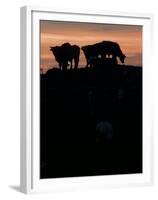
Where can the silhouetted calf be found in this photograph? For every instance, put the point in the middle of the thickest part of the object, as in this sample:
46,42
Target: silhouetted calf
66,53
104,49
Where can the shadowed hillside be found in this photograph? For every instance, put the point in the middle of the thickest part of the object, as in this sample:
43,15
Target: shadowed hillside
91,121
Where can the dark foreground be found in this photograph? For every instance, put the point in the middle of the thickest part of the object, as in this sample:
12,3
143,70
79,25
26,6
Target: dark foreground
91,122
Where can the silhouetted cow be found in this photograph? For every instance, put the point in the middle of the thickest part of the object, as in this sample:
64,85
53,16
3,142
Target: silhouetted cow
66,53
104,49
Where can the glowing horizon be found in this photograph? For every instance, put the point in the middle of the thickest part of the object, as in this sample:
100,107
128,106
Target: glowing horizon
53,33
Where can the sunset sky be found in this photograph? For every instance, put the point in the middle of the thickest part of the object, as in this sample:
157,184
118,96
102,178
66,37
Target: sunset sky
54,33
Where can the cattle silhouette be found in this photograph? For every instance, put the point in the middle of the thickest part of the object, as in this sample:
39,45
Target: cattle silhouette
105,50
66,53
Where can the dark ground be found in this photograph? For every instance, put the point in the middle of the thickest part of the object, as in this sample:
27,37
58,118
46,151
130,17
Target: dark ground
73,103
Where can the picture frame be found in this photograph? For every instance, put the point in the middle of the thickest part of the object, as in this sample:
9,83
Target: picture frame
30,181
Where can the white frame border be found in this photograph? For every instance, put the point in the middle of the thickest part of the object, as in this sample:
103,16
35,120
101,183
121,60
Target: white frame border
29,148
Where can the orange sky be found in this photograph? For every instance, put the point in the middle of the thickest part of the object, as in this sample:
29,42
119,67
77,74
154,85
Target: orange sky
56,33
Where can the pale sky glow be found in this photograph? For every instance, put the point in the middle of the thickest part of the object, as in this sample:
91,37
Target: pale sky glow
53,33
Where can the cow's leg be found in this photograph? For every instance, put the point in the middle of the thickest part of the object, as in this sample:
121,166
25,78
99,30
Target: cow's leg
76,63
103,56
70,64
60,66
65,65
114,58
87,61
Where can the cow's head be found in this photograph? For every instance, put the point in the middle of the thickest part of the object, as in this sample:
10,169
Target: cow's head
53,48
83,48
122,58
57,52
